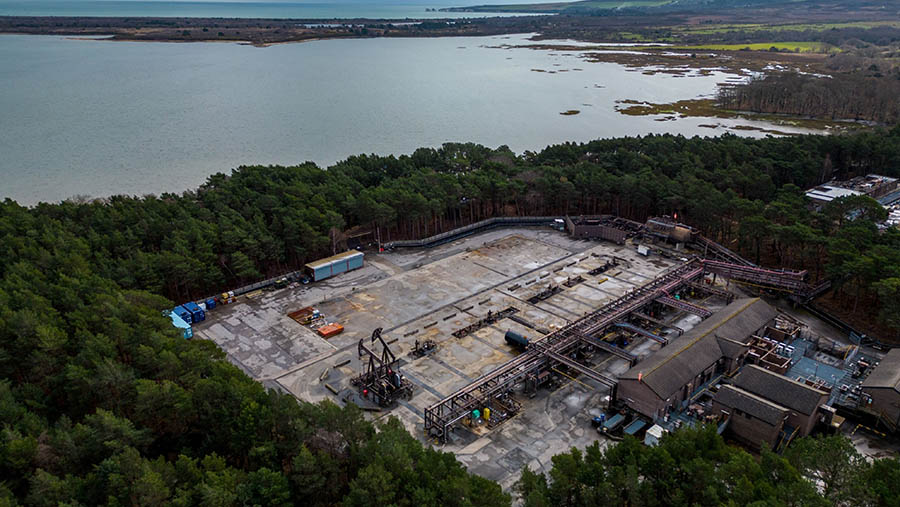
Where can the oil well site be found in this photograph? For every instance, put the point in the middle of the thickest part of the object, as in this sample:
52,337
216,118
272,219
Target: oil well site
513,340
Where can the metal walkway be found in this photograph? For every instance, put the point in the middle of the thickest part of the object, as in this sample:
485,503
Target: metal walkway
684,306
781,280
713,250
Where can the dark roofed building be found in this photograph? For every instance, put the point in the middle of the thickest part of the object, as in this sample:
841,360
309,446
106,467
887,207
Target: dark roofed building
732,349
668,377
753,419
800,401
883,386
783,390
760,408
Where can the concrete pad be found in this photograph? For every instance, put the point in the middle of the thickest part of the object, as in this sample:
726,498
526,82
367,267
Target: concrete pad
428,295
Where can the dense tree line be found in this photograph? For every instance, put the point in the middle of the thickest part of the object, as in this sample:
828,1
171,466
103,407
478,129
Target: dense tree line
264,221
694,466
839,37
102,402
859,80
843,96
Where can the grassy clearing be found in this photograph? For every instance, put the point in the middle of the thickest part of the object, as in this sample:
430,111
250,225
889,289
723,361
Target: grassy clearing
707,108
689,107
795,47
758,27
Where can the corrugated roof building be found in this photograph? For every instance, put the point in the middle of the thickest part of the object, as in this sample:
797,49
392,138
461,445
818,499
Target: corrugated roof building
785,391
751,404
800,401
883,386
754,420
334,265
717,345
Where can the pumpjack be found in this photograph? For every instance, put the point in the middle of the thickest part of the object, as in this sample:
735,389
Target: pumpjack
380,380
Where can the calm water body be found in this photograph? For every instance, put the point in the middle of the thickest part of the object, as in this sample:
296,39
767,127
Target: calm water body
390,9
83,117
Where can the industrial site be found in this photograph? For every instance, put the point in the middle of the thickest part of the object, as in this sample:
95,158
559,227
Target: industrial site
512,340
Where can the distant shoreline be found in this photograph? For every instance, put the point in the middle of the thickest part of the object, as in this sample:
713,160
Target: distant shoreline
260,32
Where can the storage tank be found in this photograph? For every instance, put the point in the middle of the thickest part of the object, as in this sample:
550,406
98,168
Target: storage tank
516,340
680,234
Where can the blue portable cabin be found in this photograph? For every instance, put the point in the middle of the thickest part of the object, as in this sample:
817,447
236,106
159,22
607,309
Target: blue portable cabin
197,313
210,303
180,323
334,265
184,314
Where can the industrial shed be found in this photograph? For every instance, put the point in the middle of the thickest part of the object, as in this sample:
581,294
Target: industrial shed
799,402
606,227
717,345
883,386
802,400
334,265
754,419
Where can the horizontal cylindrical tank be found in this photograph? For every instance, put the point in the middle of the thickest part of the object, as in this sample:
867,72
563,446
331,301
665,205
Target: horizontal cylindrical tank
516,340
680,234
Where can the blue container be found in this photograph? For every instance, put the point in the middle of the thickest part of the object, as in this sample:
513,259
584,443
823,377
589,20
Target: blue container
335,265
339,266
355,261
210,303
322,272
197,313
183,313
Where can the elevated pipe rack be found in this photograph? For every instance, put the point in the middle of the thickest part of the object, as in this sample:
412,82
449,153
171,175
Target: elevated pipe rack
552,349
610,348
543,353
709,289
643,332
658,322
782,280
684,306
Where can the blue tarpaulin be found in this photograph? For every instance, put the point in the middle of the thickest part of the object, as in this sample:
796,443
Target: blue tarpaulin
178,322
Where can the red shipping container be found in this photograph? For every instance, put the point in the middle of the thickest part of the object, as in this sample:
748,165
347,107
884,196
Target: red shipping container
329,330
